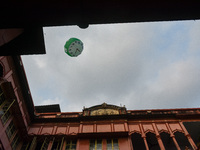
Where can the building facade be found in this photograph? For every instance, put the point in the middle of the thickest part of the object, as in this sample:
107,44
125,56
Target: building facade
24,126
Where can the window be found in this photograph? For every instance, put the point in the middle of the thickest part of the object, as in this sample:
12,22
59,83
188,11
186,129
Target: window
33,143
25,146
95,144
15,142
3,107
10,130
70,145
45,144
2,98
112,144
57,145
5,113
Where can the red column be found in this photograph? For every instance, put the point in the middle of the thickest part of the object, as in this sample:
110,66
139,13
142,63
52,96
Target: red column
175,142
83,144
145,142
67,131
50,144
104,144
54,130
80,128
126,126
162,147
188,136
95,128
130,142
172,136
112,127
144,136
64,145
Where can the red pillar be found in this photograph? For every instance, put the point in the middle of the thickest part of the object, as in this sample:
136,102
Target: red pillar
188,136
144,136
130,142
173,137
175,142
104,144
50,144
162,147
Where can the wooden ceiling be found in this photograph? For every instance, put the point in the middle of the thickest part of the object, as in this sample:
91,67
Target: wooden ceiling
33,15
82,12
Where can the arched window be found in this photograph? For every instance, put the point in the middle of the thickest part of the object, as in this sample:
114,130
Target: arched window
137,142
152,141
182,140
167,141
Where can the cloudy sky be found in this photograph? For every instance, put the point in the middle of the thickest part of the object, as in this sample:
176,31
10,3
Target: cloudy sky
139,65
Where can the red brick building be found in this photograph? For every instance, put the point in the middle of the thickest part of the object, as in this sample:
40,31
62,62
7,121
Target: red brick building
102,127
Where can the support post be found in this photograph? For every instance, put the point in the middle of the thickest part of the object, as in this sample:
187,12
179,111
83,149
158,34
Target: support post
50,144
173,137
162,147
144,136
130,142
188,136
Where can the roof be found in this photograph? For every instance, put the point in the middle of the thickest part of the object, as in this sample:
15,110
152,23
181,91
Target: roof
47,108
84,12
33,15
30,41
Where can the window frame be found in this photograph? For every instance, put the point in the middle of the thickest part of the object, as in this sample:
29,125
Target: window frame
5,116
11,130
70,144
15,142
95,144
112,144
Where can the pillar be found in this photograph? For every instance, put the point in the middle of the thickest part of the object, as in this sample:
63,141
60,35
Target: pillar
130,142
173,137
144,136
188,136
162,147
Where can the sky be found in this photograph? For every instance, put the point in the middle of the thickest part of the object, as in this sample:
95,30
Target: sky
154,65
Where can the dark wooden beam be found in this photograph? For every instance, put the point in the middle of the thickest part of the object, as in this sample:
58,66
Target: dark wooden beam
83,12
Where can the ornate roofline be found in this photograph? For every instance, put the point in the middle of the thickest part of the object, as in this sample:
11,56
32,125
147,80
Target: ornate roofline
103,106
104,109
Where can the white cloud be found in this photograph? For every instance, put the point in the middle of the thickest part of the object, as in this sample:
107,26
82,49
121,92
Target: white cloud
41,63
50,101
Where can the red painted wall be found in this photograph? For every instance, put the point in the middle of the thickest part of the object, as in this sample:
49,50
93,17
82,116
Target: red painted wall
83,144
124,144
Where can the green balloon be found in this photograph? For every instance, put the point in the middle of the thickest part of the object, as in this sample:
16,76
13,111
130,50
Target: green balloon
73,47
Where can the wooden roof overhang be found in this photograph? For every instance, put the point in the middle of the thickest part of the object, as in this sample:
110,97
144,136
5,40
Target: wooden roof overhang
32,15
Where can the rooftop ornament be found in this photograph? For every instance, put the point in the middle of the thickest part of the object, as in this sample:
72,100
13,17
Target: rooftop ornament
104,109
